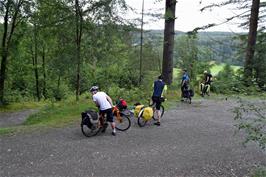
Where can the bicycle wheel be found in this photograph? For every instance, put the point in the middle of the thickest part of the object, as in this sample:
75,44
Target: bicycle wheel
161,111
205,88
141,121
122,123
189,100
89,130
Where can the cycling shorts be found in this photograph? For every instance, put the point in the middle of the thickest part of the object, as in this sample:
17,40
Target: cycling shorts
157,102
109,114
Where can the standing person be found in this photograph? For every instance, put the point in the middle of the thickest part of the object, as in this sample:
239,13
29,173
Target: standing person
205,87
184,83
105,105
158,88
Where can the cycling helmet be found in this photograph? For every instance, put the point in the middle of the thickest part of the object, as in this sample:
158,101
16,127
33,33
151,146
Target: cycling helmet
205,72
94,88
160,77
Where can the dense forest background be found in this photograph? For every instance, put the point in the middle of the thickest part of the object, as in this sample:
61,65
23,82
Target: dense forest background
55,49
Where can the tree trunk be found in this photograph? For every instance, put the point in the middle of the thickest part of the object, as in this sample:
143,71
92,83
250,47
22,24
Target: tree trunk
79,22
58,82
6,40
168,46
141,45
252,35
4,56
2,75
35,64
44,92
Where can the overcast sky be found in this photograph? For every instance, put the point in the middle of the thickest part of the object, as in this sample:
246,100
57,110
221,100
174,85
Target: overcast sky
188,15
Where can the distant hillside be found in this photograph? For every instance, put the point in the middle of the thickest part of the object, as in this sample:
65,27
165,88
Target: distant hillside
223,46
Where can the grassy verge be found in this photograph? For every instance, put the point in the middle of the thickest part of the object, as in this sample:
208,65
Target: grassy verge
219,67
52,115
260,172
21,106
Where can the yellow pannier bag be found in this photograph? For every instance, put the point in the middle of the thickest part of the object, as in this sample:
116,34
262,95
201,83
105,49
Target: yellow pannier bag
137,110
147,113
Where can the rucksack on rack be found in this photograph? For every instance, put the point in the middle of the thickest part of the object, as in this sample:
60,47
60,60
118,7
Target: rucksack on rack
147,113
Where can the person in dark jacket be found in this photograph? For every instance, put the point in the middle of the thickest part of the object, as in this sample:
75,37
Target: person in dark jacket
158,88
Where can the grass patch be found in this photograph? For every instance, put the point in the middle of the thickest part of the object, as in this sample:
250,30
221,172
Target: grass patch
176,72
52,115
260,172
215,69
21,106
5,131
57,115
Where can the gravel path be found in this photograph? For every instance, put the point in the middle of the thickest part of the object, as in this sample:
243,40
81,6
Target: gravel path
8,119
193,140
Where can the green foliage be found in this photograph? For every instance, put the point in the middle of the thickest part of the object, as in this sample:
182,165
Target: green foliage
251,118
187,52
4,131
260,172
20,106
59,114
225,81
109,53
260,61
230,81
133,95
216,68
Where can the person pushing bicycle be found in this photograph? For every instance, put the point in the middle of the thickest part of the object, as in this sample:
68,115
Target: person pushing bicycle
204,87
184,84
158,88
105,105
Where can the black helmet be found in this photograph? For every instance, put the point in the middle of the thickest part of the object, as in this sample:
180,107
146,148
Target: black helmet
94,88
160,77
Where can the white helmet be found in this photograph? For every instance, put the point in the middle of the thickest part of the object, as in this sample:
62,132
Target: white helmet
94,88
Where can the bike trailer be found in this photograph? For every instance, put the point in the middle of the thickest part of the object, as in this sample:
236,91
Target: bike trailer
147,113
137,110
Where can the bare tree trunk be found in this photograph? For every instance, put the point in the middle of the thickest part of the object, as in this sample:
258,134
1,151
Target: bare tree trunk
58,82
252,35
4,55
35,64
79,22
141,46
6,40
44,92
169,34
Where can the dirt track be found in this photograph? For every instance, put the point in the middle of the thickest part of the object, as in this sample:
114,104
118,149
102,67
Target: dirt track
193,140
14,118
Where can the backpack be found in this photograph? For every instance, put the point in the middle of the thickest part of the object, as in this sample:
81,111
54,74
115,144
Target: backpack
147,113
89,118
122,104
137,110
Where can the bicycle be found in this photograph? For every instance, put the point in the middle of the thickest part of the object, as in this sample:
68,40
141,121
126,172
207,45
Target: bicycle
187,95
205,89
143,121
91,126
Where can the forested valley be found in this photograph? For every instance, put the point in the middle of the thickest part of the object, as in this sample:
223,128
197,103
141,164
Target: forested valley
204,90
55,49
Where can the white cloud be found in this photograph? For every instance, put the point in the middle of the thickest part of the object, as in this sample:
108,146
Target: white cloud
188,15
